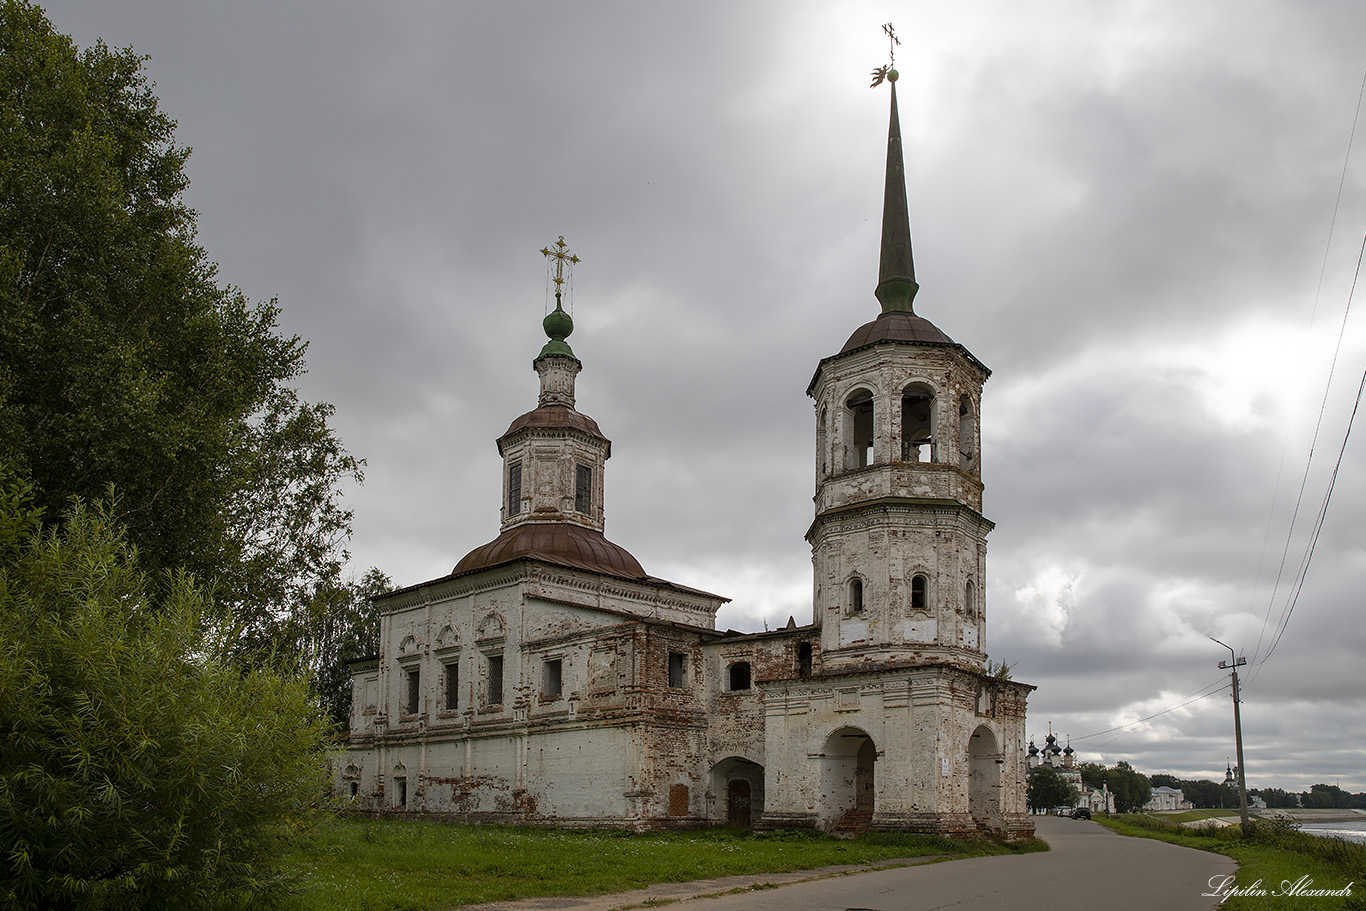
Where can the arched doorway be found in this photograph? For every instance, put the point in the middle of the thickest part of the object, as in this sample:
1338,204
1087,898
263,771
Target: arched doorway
848,794
984,779
738,786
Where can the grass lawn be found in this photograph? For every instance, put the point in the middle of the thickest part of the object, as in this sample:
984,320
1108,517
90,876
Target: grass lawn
414,865
1274,854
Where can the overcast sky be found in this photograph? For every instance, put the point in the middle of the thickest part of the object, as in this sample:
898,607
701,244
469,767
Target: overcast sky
1129,211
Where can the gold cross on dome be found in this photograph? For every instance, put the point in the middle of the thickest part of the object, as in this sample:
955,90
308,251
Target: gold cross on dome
561,255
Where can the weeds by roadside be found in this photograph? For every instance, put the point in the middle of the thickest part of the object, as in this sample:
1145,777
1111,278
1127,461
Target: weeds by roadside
415,865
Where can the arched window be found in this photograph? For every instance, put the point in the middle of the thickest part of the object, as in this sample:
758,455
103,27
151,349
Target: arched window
739,676
970,599
855,596
917,424
859,429
967,433
920,592
822,454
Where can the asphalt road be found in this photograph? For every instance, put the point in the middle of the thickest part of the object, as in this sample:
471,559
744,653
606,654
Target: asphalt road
1089,868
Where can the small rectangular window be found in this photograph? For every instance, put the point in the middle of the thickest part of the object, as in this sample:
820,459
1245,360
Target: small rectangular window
514,488
414,691
583,489
678,670
495,679
551,678
452,687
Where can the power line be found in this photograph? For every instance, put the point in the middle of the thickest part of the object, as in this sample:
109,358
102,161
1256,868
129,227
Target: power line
1313,444
1318,291
1214,688
1298,584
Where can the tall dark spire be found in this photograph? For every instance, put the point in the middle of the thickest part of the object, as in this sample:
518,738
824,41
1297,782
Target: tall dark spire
896,285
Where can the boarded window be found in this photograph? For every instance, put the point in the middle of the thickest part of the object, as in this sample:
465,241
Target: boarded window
414,699
970,599
740,675
678,670
514,488
678,800
452,686
583,489
551,678
495,679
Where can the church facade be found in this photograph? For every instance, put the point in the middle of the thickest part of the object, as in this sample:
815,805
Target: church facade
548,679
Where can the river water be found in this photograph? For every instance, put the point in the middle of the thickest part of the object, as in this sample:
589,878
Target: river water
1351,831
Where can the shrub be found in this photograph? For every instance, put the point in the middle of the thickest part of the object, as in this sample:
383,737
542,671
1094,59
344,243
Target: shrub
138,768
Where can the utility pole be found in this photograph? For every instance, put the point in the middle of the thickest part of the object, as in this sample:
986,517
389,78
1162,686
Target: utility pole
1237,728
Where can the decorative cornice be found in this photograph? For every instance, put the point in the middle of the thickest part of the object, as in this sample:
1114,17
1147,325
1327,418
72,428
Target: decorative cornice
890,505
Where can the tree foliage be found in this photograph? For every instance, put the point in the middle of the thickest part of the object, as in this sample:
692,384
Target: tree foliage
124,363
139,766
1131,788
1046,788
345,626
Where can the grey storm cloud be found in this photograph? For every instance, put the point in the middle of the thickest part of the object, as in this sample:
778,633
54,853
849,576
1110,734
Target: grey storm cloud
1124,210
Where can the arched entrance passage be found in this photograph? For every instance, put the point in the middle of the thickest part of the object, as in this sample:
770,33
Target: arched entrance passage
848,781
984,778
738,785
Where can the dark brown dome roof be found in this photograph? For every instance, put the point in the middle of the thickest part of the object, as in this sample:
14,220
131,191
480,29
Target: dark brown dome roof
554,542
896,326
556,417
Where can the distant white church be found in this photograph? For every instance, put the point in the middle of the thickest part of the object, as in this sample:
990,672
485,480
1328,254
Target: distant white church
549,679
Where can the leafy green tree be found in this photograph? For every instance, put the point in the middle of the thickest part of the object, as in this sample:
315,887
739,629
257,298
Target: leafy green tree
1092,774
124,363
1046,788
139,767
1276,798
1324,797
1131,788
346,628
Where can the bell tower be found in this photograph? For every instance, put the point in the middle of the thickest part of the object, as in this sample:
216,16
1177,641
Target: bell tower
898,543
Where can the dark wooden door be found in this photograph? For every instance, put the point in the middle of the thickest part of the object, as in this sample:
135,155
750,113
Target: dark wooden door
737,804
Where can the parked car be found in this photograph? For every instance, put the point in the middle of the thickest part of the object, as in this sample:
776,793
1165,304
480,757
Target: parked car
1081,813
1062,811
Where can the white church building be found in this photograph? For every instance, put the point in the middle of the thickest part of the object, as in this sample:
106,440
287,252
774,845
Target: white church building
549,679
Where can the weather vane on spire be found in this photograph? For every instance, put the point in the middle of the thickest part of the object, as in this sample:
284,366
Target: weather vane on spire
886,72
560,255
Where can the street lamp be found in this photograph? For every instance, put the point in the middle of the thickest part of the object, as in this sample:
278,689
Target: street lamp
1237,728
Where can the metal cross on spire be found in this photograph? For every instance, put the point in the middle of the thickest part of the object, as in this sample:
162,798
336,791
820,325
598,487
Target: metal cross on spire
560,255
881,73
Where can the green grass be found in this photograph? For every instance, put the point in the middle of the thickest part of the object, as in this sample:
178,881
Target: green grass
1274,853
413,865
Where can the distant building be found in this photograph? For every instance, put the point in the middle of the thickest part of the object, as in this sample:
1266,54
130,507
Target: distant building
1063,761
1165,798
